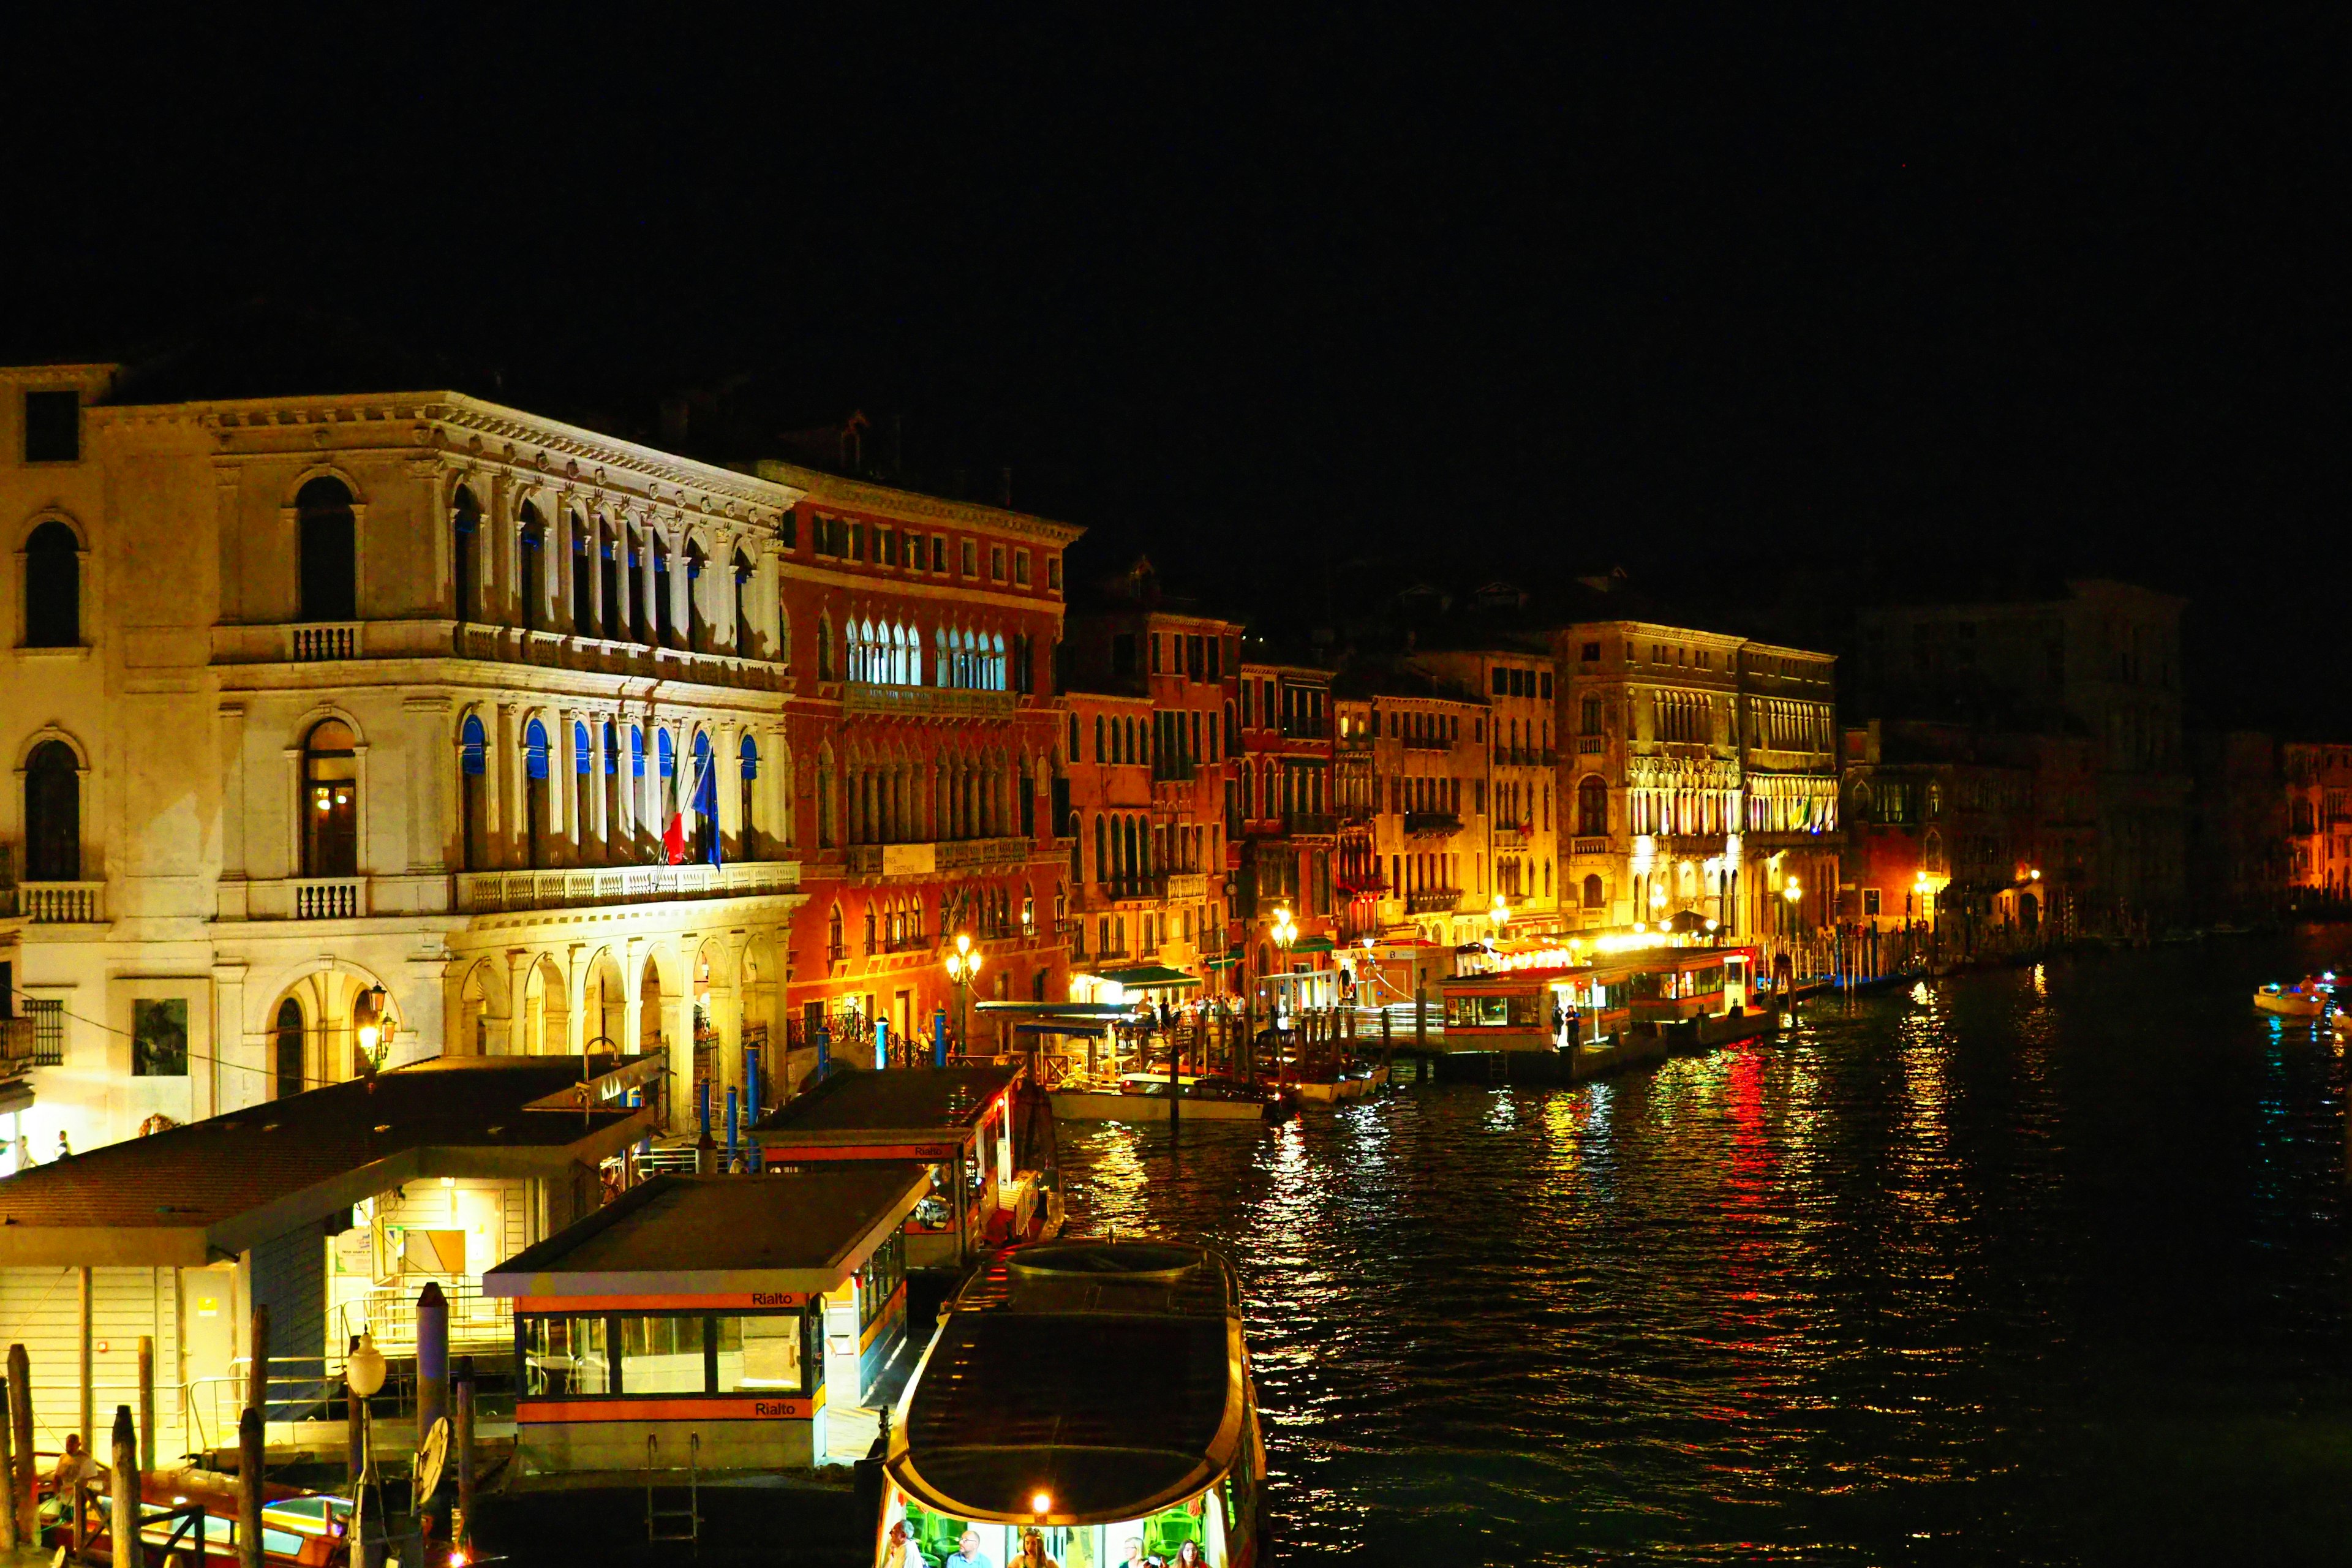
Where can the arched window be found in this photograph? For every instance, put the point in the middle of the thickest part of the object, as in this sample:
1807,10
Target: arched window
824,648
531,535
584,781
331,802
1591,806
612,580
743,605
748,777
53,587
1102,849
466,532
584,579
52,814
697,617
1592,893
473,783
288,1052
706,829
996,662
535,769
329,553
941,663
664,616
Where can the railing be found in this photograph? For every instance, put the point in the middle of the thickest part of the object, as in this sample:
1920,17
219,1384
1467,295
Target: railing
1311,824
1432,900
329,898
1304,730
1152,885
930,702
1187,887
489,892
19,1048
1524,756
946,855
322,641
1174,769
916,943
390,1315
1591,745
1589,847
62,903
1428,743
1508,837
1417,822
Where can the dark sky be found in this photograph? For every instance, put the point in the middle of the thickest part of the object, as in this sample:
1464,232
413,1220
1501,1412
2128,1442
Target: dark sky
1860,304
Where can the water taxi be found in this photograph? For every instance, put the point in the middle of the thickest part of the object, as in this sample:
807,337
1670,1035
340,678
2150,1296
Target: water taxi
2305,999
1097,1393
1144,1097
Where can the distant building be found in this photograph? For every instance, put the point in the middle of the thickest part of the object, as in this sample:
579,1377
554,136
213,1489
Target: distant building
1940,831
2102,662
2318,798
1151,693
1699,776
2240,855
1285,830
1432,787
1522,773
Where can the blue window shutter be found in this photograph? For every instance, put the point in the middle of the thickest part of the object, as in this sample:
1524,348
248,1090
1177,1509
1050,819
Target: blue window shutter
473,748
534,750
581,749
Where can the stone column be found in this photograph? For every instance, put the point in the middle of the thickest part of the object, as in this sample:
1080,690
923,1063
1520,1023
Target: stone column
681,1038
576,990
237,1077
517,961
632,996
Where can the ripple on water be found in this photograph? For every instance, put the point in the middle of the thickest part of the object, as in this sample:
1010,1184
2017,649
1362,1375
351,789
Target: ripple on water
2014,1267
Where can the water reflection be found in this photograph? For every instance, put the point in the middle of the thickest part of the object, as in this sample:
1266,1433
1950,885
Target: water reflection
1916,1281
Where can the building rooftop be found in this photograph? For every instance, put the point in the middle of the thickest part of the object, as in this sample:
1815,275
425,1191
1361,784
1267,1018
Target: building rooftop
801,1232
189,1194
852,1104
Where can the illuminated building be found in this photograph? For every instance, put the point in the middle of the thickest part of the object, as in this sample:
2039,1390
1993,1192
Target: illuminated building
2319,795
1429,808
349,726
1282,825
920,723
1520,843
1698,777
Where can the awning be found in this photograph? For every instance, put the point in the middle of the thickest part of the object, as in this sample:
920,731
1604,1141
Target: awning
1146,977
1225,961
1056,1009
1314,944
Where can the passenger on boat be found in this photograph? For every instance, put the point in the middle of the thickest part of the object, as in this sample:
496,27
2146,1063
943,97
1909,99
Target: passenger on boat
1134,1558
1033,1552
902,1551
74,1465
968,1553
1189,1556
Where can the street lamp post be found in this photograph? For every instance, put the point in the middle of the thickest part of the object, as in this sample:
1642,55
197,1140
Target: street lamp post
364,1372
963,968
1285,932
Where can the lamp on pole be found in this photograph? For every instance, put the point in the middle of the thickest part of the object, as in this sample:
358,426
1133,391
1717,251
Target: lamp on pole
1790,892
1285,932
364,1375
963,968
1500,917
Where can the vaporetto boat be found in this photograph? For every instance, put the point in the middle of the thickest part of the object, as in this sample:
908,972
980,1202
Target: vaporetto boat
1097,1393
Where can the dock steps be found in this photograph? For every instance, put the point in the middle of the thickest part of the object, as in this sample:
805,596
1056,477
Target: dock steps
667,1524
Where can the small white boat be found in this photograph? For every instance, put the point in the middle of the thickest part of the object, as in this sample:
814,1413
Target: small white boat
1346,1087
1144,1097
2304,999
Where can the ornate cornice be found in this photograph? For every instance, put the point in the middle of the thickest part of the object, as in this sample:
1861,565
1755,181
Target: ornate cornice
887,500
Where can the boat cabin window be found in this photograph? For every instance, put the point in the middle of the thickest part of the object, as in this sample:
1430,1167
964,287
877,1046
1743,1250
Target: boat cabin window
1205,1518
1517,1009
635,1353
880,1279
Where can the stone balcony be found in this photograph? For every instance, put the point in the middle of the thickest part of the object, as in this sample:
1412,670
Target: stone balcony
341,642
926,702
60,903
1432,900
1187,887
930,859
494,892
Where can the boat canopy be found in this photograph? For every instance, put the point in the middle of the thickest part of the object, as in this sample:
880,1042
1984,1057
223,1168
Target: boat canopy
1108,1377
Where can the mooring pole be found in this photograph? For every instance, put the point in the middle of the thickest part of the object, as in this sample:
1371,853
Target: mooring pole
123,1525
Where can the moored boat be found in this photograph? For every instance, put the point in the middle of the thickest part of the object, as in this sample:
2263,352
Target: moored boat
1095,1393
1144,1097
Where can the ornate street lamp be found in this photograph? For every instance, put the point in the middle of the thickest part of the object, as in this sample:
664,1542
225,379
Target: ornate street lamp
963,968
364,1372
1790,892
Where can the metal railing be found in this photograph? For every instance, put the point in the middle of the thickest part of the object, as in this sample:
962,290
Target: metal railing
19,1047
475,1319
1432,822
1432,900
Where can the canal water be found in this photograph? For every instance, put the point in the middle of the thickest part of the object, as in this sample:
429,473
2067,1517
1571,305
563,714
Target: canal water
2043,1265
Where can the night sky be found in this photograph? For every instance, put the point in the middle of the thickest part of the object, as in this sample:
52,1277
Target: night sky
1765,312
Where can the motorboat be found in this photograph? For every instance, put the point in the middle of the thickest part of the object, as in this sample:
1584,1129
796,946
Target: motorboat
2304,999
1095,1393
1146,1097
1354,1083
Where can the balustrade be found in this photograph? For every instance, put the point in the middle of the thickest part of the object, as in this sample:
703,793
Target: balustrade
62,903
489,892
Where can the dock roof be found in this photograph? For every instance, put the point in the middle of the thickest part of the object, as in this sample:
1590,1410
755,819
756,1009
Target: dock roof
855,1106
195,1194
802,1233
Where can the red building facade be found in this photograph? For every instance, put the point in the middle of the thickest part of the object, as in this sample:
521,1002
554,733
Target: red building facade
919,634
1283,825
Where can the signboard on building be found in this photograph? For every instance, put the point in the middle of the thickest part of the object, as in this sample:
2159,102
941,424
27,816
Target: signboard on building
909,859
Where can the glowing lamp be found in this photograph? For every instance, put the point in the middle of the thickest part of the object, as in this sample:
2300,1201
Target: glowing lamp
367,1017
363,1368
1041,1503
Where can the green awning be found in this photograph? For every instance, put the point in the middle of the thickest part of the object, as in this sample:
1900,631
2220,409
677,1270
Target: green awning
1314,944
1146,977
1224,962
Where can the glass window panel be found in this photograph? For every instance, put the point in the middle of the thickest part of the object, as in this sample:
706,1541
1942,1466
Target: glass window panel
661,1356
760,1354
565,1357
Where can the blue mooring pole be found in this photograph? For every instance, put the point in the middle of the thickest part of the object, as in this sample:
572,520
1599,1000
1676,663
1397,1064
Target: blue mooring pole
938,1036
734,1125
824,1053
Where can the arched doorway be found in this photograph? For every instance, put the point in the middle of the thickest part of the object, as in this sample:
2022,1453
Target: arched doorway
331,801
53,814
